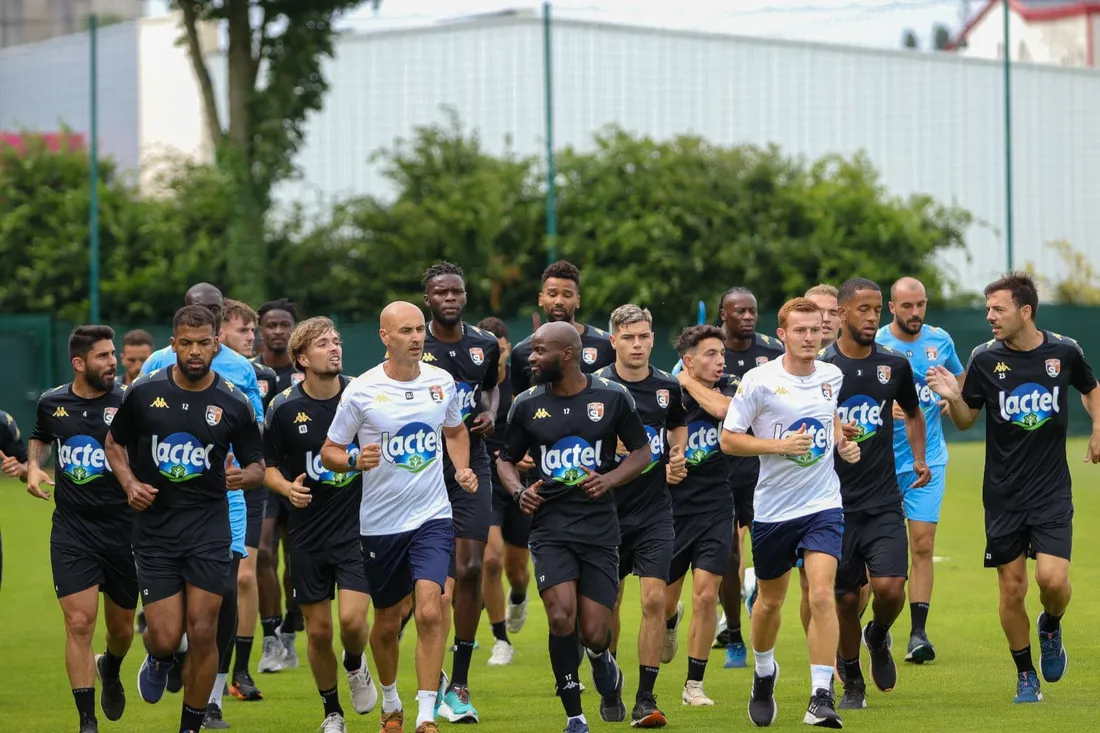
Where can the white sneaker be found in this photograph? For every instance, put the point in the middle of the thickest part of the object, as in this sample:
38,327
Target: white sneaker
364,695
290,660
273,655
334,724
672,638
693,694
502,654
719,629
517,616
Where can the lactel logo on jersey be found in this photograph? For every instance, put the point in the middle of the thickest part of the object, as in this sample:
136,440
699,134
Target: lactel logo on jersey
82,459
1030,405
925,393
466,397
821,436
317,471
702,442
413,447
181,456
866,413
566,460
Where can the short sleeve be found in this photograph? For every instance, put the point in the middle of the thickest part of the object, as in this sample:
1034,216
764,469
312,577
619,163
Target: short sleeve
41,431
907,397
972,387
11,440
348,419
124,424
453,418
743,407
154,362
677,415
492,368
1080,375
517,440
248,447
951,358
273,439
629,427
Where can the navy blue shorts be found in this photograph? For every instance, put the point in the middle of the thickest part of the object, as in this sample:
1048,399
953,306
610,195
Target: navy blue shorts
394,562
778,546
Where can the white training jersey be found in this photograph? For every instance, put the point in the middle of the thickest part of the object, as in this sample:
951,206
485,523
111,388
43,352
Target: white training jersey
773,403
407,420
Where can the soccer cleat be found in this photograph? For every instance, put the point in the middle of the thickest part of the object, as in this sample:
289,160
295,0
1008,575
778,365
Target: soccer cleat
721,632
274,654
517,616
820,711
428,726
89,726
334,723
290,661
884,672
763,709
502,653
920,650
855,695
736,656
152,679
456,707
612,708
393,722
646,714
1052,655
364,695
112,698
576,725
213,719
243,688
694,696
672,638
1027,688
175,674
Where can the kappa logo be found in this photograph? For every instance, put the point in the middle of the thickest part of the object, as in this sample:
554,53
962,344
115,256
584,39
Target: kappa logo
59,412
595,411
428,356
662,398
884,374
229,385
589,355
301,417
780,390
930,353
213,415
540,413
1054,367
159,402
1001,368
381,399
436,392
477,356
109,414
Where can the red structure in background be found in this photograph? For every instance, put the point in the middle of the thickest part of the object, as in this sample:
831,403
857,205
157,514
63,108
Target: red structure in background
55,141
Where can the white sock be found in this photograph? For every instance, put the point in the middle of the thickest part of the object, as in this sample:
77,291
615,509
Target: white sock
390,701
426,700
765,662
820,676
219,690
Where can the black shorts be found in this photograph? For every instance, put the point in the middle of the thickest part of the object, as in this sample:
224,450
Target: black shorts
256,502
278,507
471,513
316,572
1045,530
515,526
876,543
646,550
78,566
702,543
594,568
162,574
742,502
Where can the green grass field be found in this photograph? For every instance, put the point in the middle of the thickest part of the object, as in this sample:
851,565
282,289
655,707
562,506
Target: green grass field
969,687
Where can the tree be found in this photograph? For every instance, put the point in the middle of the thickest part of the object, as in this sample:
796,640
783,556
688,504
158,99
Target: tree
1080,285
909,40
941,37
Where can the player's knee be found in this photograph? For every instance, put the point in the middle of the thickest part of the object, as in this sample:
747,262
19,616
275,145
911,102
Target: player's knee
202,629
596,635
468,571
387,625
653,602
120,626
430,613
319,632
848,603
246,578
921,546
1052,580
1013,587
161,641
562,620
704,596
492,563
80,625
265,556
821,601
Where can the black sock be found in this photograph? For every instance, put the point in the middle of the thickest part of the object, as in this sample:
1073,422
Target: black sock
500,631
85,703
564,661
876,634
270,624
331,699
460,666
517,597
852,671
696,669
170,659
1022,658
244,654
1049,624
111,665
191,719
351,664
647,678
670,623
918,612
734,634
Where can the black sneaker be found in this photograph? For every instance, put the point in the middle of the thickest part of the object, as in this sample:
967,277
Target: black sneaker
213,718
820,711
884,672
175,675
920,650
243,688
763,709
89,726
646,714
612,708
855,695
112,698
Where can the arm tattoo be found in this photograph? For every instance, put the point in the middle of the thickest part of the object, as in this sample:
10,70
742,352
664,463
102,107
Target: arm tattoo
37,452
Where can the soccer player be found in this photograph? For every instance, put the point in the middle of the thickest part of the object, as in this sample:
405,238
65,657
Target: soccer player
323,524
925,346
137,346
571,422
13,454
875,544
644,504
1022,378
702,504
178,483
790,406
92,523
472,357
277,319
824,296
399,414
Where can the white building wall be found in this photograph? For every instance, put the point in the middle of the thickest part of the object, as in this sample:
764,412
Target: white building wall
1062,42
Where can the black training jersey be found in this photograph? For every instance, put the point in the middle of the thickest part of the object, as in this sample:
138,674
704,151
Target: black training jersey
596,353
268,381
85,487
495,442
11,440
177,442
285,376
871,387
659,401
744,470
295,429
473,361
1026,399
707,488
565,436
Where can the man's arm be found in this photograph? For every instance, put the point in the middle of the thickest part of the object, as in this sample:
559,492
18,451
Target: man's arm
517,441
458,446
343,430
714,402
248,441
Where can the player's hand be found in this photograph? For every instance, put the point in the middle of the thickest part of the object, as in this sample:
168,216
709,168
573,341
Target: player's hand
140,496
924,474
12,467
370,455
943,383
796,444
484,424
467,479
526,464
529,499
596,485
35,478
896,412
676,470
849,430
1093,453
849,451
300,496
234,476
944,405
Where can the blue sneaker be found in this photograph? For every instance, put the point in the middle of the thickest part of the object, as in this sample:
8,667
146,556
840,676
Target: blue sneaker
576,725
152,679
736,656
456,707
605,673
444,683
1052,657
1027,688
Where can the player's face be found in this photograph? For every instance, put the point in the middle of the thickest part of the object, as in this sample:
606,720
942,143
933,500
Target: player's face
195,349
211,300
633,343
708,361
1005,318
860,316
909,307
99,366
559,299
324,356
239,335
505,349
445,297
404,339
802,336
132,359
275,328
830,316
739,314
545,360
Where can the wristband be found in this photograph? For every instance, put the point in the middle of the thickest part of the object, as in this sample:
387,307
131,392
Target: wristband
352,459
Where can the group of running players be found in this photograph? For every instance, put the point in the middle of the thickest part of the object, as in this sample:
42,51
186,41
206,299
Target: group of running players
419,485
